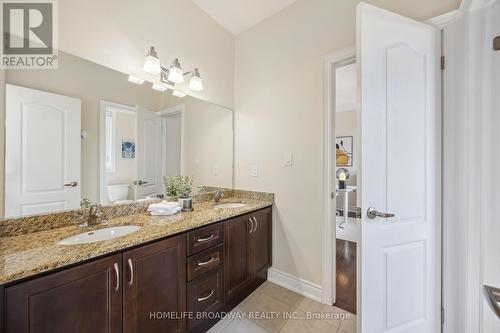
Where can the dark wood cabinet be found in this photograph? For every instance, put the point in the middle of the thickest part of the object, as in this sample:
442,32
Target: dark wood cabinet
154,287
260,244
237,273
205,295
148,289
247,253
83,299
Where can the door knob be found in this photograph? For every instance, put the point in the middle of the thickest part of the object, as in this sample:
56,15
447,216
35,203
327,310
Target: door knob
373,213
493,297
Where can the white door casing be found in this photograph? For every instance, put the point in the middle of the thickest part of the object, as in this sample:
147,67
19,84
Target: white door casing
42,155
399,91
148,151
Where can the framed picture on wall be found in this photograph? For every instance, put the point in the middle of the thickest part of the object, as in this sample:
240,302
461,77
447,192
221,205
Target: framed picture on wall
344,148
128,149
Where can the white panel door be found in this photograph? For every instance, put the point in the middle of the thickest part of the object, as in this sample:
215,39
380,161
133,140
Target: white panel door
149,182
490,187
398,62
42,152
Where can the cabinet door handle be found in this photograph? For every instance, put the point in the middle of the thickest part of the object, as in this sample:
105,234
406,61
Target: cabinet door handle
206,262
256,223
205,239
131,271
206,297
117,275
251,225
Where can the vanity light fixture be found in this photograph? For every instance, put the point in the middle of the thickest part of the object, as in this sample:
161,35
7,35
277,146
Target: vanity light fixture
175,73
178,94
135,79
159,87
152,62
195,82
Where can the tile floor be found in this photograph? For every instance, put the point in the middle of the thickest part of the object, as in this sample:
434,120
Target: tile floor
272,308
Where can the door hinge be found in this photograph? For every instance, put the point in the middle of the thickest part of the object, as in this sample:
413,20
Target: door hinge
496,43
442,316
442,63
332,195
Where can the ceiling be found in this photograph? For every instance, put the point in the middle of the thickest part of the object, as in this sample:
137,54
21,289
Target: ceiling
239,15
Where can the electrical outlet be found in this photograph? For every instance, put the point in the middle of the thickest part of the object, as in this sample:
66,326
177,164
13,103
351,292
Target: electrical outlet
255,171
287,159
215,170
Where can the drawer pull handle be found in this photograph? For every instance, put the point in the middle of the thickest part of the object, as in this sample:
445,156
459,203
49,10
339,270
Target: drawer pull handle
201,299
206,262
131,270
117,274
205,239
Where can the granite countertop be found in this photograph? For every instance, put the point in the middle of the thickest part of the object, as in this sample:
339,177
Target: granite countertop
26,255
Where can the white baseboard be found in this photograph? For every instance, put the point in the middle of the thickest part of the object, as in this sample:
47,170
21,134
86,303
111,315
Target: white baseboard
295,284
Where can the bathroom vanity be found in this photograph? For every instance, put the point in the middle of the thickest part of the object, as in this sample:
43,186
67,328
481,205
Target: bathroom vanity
176,274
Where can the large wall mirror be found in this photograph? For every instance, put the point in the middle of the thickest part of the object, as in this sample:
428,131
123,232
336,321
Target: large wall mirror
83,131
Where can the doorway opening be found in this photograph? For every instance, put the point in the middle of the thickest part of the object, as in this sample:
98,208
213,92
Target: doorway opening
340,172
118,148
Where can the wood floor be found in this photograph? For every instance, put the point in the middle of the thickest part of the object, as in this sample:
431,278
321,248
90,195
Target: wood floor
346,276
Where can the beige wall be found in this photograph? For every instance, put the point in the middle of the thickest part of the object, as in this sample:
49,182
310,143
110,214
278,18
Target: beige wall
278,105
118,33
90,83
208,142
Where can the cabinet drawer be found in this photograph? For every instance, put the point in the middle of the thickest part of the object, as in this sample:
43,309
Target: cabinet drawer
204,295
204,262
203,238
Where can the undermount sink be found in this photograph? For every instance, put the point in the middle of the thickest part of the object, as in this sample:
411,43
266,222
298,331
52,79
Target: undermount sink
99,235
229,205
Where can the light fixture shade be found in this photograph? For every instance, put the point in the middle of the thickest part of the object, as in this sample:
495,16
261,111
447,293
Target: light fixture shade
175,73
195,82
178,94
159,87
135,79
152,62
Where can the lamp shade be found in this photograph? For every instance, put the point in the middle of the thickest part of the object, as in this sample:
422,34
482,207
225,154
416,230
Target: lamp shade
195,82
152,62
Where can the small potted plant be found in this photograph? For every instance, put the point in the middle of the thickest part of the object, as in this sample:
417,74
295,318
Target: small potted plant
178,188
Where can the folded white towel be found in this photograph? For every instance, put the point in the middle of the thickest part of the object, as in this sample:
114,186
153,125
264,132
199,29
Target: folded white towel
164,205
165,212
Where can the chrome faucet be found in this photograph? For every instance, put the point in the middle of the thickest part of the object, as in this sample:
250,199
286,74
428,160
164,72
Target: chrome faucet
95,214
217,195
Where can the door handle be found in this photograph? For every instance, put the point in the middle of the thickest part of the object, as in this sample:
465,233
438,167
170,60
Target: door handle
206,297
117,275
251,225
72,184
373,213
139,182
131,270
256,223
493,297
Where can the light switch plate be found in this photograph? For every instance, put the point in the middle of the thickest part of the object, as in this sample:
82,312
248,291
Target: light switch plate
255,171
288,159
215,170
